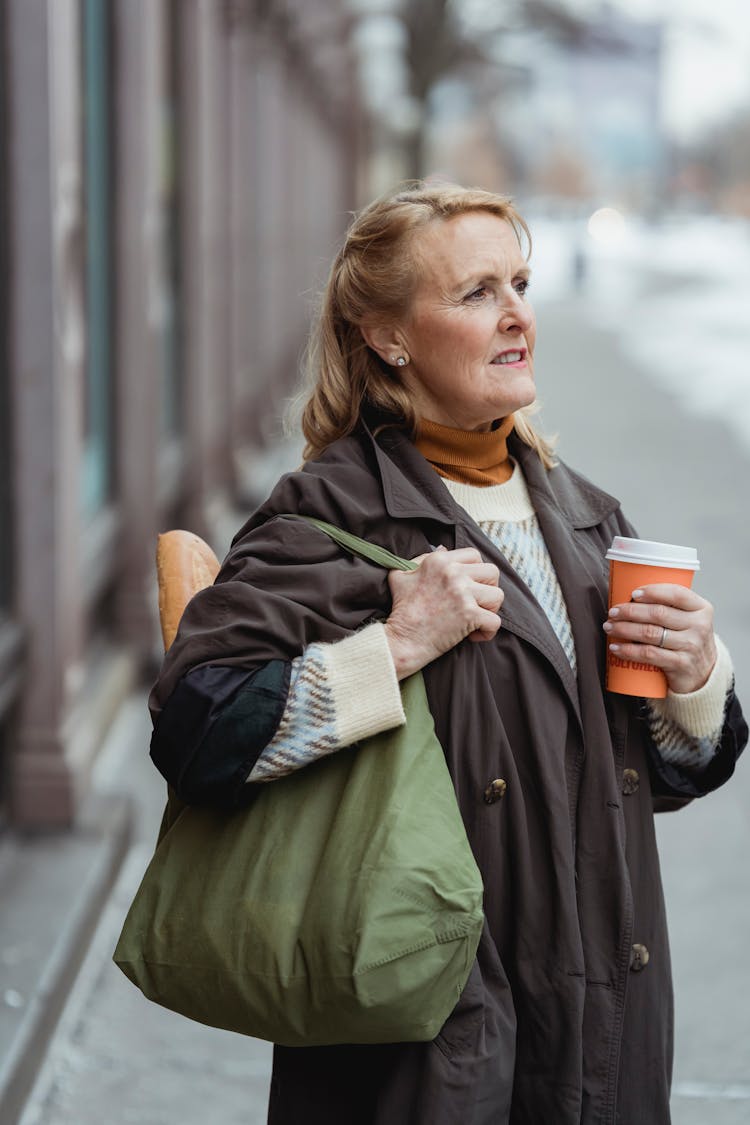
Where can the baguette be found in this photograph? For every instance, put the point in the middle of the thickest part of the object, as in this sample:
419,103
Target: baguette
185,564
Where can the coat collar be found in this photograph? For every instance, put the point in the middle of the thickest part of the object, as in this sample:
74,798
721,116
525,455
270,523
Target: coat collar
412,491
411,487
579,502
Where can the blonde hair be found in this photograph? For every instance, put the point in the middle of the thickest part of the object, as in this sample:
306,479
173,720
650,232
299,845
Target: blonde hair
374,275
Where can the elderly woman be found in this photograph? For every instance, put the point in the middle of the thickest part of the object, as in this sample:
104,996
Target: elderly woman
419,439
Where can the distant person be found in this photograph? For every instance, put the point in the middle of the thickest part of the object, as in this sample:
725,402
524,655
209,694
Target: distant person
419,438
580,266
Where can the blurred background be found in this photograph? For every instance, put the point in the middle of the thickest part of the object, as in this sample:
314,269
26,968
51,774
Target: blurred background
175,176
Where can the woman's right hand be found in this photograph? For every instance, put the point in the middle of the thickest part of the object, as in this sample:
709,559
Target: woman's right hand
452,595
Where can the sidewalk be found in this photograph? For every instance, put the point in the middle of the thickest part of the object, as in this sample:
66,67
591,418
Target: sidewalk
681,480
116,1059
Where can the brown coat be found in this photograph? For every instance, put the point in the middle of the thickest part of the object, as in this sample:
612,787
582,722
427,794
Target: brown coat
561,1022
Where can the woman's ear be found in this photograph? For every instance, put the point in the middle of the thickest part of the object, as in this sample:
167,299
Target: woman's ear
384,340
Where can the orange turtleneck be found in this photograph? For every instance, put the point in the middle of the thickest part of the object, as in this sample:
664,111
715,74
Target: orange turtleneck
465,455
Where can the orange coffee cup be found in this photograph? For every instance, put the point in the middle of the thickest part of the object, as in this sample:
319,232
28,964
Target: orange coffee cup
633,564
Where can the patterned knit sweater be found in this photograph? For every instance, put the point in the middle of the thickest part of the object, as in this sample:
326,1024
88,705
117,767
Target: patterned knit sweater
346,691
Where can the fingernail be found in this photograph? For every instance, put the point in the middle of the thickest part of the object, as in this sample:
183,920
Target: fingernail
614,612
607,626
637,594
614,648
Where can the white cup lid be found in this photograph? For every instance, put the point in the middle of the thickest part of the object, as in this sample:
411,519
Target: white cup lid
647,553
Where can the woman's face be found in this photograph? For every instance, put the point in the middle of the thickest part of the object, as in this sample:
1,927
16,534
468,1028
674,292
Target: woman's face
470,332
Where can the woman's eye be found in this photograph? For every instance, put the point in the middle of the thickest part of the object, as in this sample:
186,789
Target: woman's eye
477,294
521,286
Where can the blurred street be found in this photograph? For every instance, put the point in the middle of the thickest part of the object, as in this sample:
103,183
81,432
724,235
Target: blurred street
116,1060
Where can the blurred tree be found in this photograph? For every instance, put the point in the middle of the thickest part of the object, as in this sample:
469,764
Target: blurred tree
447,38
563,174
724,154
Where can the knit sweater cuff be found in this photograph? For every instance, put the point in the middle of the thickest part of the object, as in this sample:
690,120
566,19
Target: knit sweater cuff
701,713
363,682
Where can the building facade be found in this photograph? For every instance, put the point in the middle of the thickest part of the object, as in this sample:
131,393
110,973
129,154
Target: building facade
175,176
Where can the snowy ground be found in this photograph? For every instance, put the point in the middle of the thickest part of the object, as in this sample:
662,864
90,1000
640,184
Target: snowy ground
676,294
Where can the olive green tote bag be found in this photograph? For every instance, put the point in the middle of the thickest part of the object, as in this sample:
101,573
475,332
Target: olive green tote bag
343,906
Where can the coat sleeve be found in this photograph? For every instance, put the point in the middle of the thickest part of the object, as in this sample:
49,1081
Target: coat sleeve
224,684
213,728
674,786
283,585
220,729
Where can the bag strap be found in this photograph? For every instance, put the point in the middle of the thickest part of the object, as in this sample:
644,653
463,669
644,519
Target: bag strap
357,546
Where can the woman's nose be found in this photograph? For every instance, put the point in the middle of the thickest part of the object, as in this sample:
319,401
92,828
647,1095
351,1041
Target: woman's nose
517,315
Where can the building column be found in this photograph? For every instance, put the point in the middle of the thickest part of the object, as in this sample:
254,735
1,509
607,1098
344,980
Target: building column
242,251
271,195
139,240
47,355
203,259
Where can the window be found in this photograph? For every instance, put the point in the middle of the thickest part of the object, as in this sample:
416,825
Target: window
98,452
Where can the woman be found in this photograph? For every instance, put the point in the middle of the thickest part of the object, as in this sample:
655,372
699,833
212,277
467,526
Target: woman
419,439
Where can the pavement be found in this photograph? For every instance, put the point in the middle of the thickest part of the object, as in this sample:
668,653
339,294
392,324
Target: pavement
681,479
116,1059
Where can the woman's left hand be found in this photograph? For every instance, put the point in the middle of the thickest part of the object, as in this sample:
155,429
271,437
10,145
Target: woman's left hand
686,652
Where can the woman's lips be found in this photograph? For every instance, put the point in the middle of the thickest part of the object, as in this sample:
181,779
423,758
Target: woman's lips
512,357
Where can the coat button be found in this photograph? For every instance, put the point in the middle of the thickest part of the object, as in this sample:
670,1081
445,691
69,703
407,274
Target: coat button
630,782
639,958
495,791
